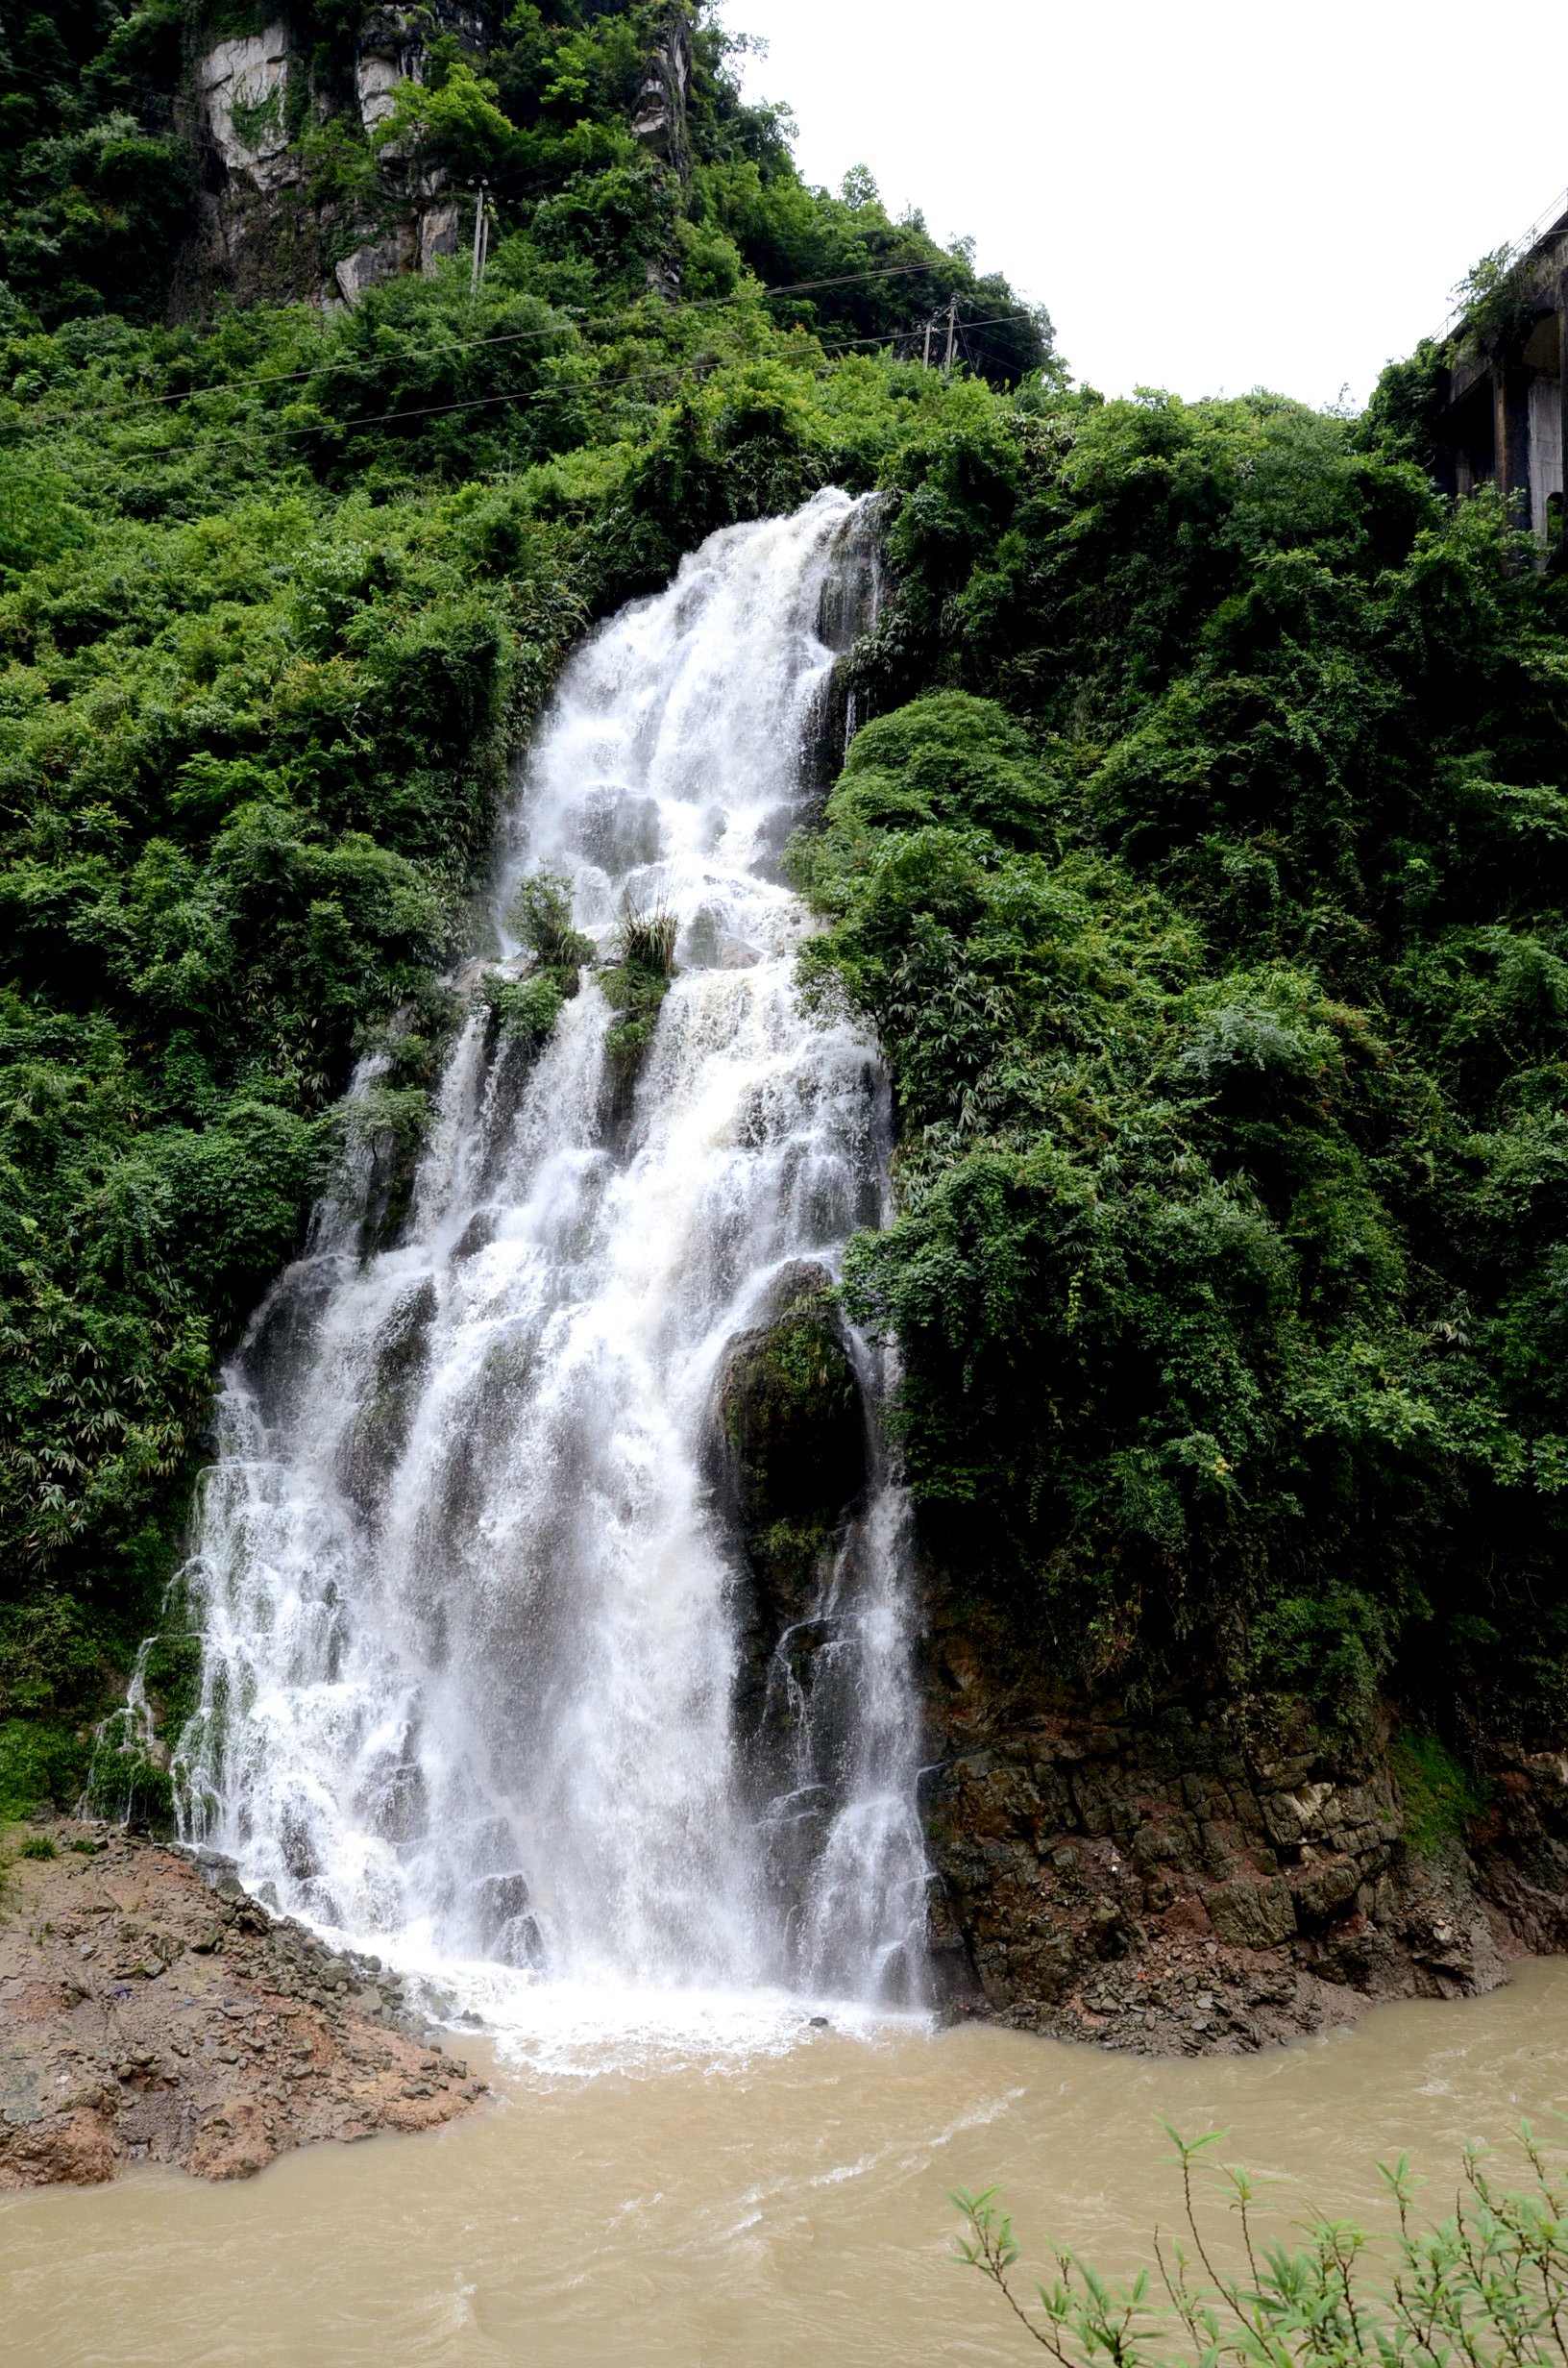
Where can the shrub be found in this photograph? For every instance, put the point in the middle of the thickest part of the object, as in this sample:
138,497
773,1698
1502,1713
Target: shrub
524,1011
645,940
541,914
42,1765
1488,2284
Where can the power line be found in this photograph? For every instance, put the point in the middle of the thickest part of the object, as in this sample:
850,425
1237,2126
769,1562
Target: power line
562,391
514,336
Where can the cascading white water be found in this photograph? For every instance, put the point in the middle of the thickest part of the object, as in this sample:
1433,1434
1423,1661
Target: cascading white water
469,1610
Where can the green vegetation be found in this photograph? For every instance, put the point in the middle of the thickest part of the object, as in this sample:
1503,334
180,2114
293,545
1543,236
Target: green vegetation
524,1011
280,595
635,985
41,1760
796,1387
1441,1794
96,187
1202,869
1214,919
1494,305
1488,2284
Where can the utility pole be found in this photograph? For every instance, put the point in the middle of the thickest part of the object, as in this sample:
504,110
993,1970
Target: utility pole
481,243
930,325
952,326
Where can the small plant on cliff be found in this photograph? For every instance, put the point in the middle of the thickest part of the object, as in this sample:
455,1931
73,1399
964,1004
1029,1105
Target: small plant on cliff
1486,2285
646,940
637,982
522,1011
460,122
804,1354
256,120
541,914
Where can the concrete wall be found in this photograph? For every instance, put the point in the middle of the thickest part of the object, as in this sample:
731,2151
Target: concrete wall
1505,418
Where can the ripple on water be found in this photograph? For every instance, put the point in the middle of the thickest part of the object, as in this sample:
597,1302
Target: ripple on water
670,2183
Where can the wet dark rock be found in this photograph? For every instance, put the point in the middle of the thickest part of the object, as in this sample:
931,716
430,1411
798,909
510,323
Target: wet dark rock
505,1923
790,1445
477,1234
618,830
276,1351
403,1340
787,1460
376,1438
1184,1879
395,1801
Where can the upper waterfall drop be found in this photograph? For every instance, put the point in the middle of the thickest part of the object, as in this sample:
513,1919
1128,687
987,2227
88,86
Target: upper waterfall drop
472,1611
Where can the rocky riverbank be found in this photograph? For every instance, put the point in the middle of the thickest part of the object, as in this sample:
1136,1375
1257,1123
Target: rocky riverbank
1196,1881
1205,1875
150,2011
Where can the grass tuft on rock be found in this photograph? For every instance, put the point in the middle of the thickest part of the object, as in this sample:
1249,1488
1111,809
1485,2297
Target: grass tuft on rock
1441,1794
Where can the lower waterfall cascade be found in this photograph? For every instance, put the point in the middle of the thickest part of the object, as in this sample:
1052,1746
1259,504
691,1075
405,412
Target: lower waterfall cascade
469,1609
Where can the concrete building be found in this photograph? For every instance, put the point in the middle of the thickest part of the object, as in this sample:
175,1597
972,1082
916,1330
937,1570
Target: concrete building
1505,421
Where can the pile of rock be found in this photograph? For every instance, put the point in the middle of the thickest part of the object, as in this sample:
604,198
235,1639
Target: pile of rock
150,2010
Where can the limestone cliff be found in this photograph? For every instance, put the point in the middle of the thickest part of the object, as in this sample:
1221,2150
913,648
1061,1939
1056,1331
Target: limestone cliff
299,191
275,219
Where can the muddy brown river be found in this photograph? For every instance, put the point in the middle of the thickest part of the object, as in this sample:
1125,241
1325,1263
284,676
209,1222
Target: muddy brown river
759,2199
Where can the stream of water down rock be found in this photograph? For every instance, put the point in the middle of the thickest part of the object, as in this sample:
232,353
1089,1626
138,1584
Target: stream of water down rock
469,1636
472,1643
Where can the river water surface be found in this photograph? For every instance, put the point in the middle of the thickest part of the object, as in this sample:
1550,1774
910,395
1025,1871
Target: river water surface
770,2200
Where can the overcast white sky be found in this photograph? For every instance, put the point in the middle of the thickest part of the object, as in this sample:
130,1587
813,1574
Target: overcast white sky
1213,196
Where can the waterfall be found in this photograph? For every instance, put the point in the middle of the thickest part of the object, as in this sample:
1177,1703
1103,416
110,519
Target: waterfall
473,1614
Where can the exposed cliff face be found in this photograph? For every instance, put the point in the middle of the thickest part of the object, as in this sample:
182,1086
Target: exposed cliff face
659,119
275,221
1201,1877
1208,1875
279,218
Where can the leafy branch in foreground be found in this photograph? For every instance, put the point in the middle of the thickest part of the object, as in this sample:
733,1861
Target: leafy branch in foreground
1487,2285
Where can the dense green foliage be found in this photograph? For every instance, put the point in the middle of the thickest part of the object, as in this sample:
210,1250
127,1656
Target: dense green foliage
279,597
1213,923
1203,868
100,164
96,187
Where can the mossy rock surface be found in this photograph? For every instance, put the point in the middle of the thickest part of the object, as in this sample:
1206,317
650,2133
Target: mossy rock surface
636,995
794,1439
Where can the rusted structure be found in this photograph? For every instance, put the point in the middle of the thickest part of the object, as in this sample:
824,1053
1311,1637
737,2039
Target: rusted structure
1505,418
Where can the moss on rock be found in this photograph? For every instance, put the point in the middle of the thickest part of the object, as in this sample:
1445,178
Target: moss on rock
795,1442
